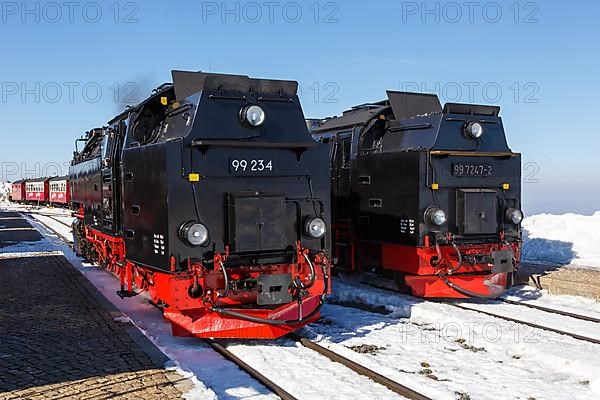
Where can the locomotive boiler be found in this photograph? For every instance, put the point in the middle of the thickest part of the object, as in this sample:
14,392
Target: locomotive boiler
211,196
427,197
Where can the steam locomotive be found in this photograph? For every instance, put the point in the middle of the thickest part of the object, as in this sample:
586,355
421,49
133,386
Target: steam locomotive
211,196
429,198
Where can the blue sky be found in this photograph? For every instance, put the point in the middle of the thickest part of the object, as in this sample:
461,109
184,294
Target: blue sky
538,60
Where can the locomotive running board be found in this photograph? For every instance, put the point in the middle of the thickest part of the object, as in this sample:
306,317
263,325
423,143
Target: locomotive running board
203,324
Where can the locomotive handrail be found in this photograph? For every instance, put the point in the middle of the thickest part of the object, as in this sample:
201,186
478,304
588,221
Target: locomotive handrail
401,128
474,153
242,144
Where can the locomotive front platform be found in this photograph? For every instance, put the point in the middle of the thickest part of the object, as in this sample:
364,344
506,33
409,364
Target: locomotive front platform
61,340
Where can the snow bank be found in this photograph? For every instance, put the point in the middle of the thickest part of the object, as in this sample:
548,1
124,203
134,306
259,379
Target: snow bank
5,190
563,239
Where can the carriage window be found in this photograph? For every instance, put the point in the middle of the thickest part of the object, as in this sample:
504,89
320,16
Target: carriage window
346,147
105,143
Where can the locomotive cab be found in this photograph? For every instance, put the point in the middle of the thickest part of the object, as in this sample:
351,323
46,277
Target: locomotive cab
426,195
211,196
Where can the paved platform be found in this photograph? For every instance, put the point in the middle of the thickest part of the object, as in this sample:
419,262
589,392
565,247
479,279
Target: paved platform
14,229
569,280
59,338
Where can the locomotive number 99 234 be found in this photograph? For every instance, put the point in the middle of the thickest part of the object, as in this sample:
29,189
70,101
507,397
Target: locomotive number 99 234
258,166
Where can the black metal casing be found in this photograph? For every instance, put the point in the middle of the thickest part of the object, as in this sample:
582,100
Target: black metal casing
169,161
394,159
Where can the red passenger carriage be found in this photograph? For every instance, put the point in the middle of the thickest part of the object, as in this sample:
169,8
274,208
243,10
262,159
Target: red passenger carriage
60,192
18,191
37,190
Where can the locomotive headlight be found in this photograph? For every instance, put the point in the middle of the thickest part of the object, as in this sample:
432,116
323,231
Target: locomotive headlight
315,228
194,233
435,216
474,130
253,115
515,216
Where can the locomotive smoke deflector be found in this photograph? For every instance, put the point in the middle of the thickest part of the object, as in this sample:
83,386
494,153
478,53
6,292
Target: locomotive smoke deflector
188,83
408,105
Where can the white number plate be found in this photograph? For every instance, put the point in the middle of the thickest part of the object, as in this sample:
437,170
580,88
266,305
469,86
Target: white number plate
241,166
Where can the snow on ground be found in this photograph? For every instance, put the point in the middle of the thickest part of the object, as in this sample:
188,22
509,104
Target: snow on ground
284,361
217,378
441,351
563,239
213,376
64,231
52,217
564,323
459,351
58,212
5,190
573,304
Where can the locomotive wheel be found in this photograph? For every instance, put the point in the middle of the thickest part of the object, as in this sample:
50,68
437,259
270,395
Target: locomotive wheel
89,252
82,247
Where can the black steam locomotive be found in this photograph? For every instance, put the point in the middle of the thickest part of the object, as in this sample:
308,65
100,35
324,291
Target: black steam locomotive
208,196
428,197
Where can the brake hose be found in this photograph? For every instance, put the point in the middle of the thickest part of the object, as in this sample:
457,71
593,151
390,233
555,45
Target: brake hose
460,259
280,322
313,276
469,293
445,278
226,290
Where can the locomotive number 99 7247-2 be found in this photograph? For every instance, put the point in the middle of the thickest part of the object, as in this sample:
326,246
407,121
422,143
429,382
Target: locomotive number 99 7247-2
250,166
472,170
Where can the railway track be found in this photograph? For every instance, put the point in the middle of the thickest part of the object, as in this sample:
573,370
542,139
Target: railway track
266,382
307,343
527,323
51,216
506,318
65,239
359,369
552,311
331,355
